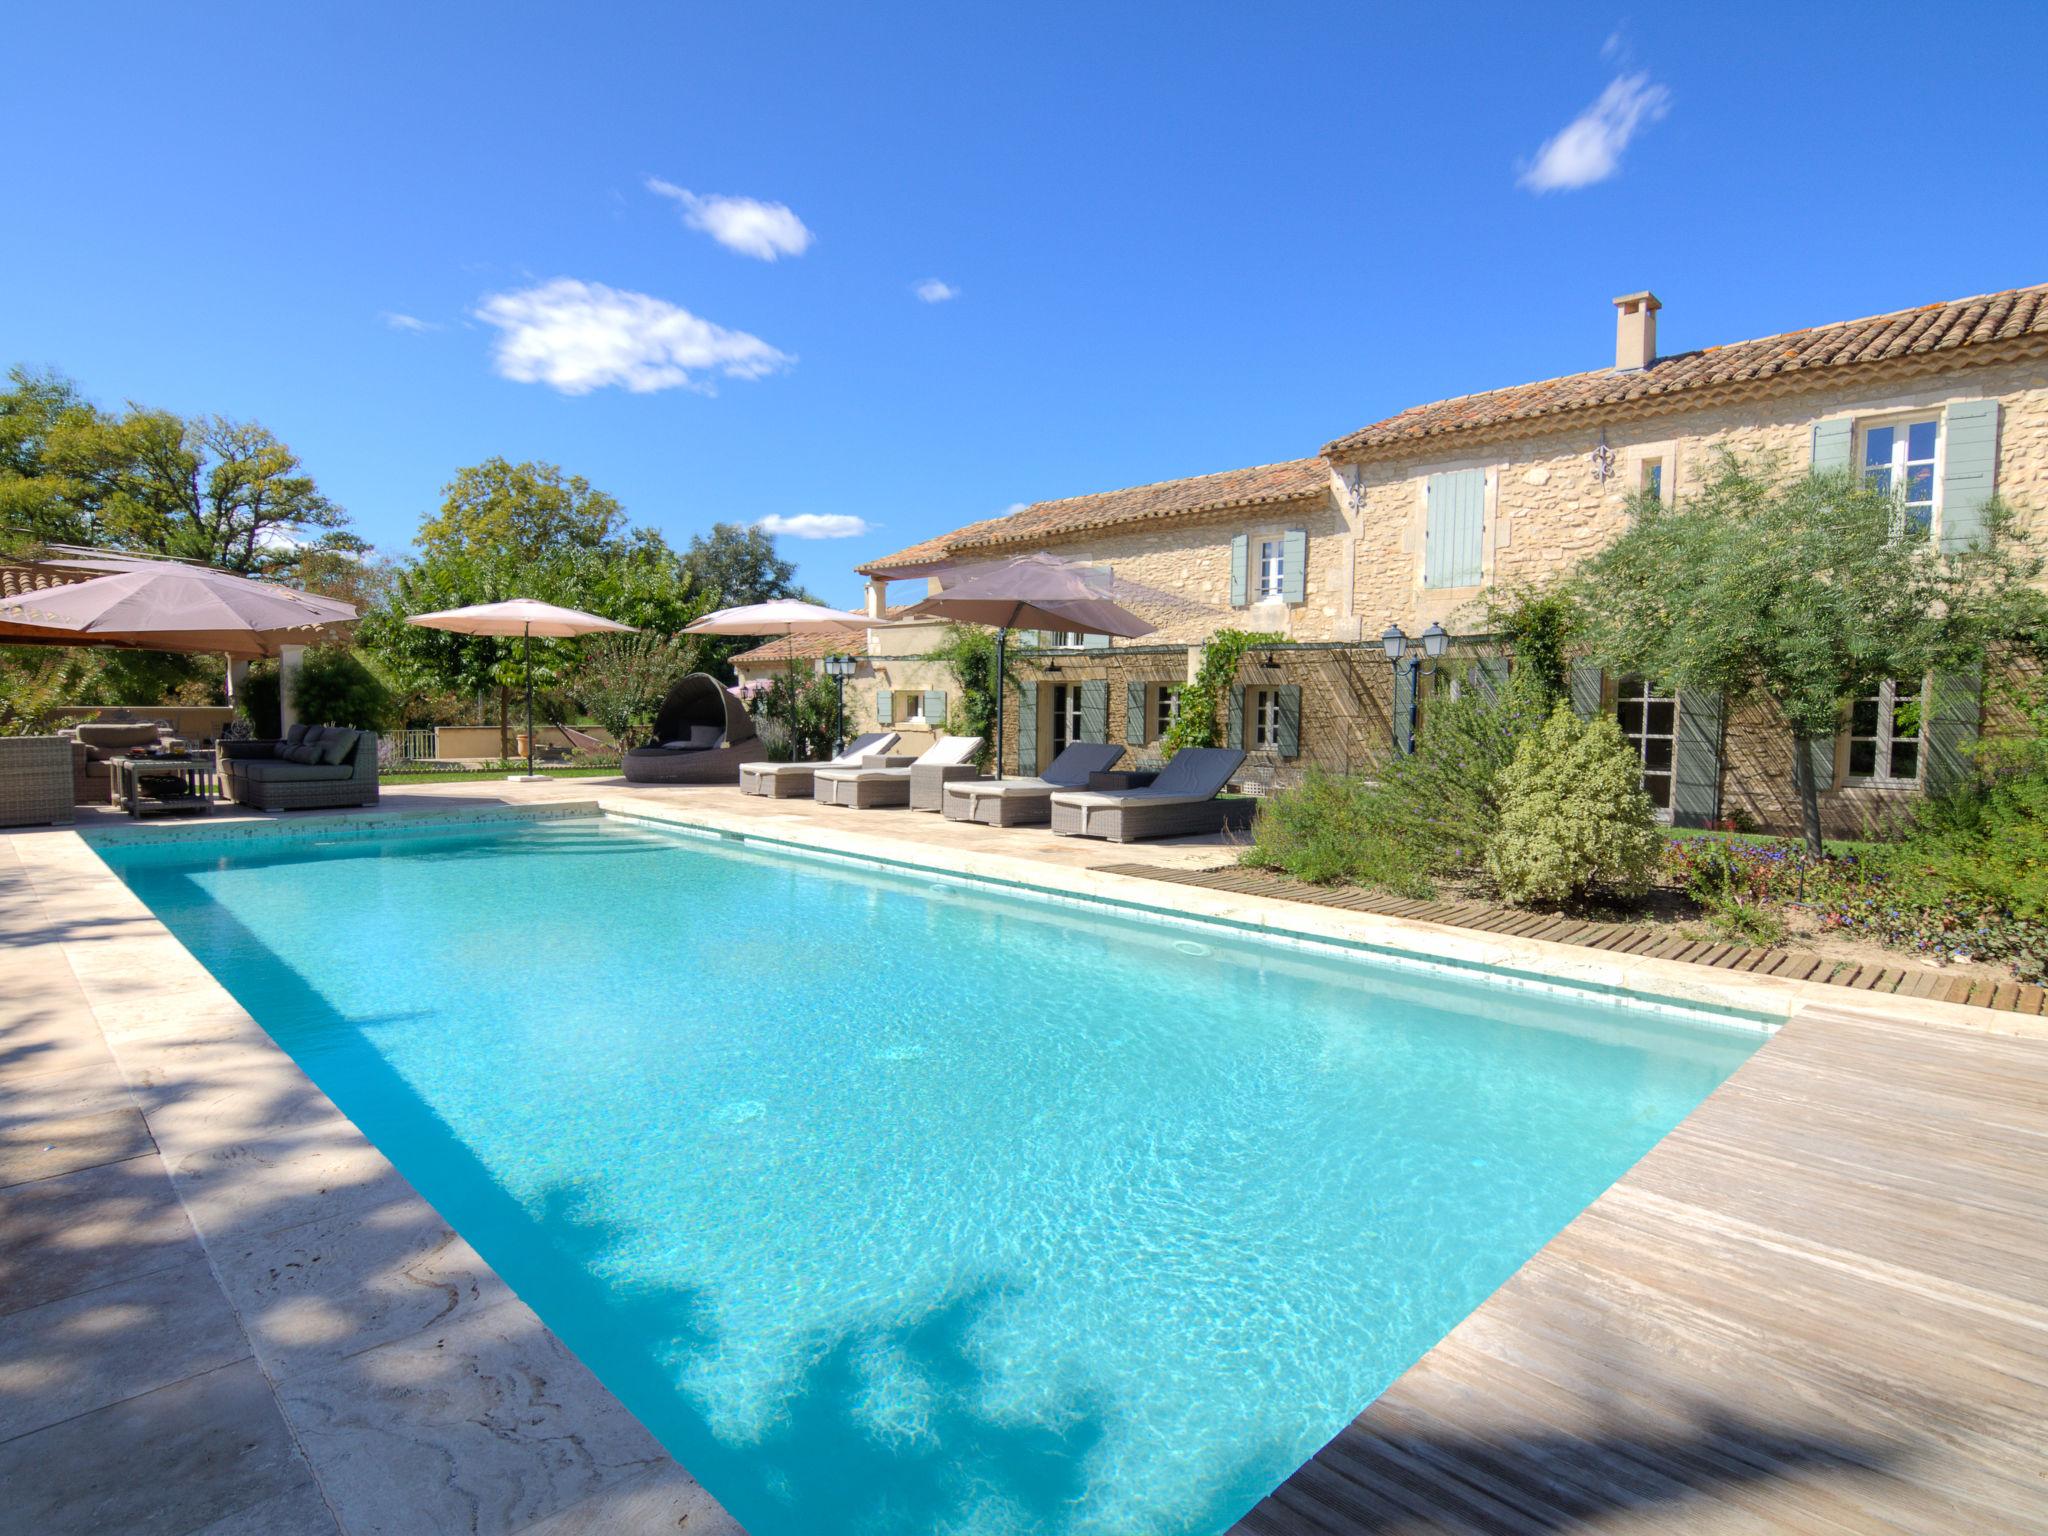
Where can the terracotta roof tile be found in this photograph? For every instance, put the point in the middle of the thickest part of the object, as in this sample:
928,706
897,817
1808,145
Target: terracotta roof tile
1260,485
1925,330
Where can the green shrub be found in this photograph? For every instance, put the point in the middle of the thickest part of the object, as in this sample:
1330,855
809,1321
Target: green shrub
335,688
1442,800
1573,817
796,716
259,698
1324,831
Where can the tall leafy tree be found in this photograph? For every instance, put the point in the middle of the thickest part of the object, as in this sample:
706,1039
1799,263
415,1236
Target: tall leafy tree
1805,592
738,565
524,530
206,488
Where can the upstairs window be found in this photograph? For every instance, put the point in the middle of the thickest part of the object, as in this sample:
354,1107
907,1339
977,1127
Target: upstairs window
1653,479
1898,456
1272,569
1884,736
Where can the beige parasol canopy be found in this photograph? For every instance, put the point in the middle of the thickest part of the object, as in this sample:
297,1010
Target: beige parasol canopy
166,606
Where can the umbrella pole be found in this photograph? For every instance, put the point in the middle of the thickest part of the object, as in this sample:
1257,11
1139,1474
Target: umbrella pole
529,700
1002,634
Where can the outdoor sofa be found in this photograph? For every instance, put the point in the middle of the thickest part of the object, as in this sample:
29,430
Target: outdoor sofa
313,768
702,735
793,781
1181,802
35,780
924,780
1025,802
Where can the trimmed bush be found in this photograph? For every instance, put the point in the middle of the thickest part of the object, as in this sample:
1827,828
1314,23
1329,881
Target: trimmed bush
1573,815
1325,831
334,688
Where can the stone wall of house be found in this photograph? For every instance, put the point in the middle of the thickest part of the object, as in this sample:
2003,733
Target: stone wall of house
1547,510
1189,558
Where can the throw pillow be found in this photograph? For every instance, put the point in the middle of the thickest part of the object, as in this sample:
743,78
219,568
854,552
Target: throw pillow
336,744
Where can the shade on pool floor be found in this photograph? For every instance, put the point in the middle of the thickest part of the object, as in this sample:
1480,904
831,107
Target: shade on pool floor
896,1207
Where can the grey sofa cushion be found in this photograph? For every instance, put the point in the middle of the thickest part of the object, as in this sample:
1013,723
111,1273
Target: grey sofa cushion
295,733
273,770
336,743
111,737
306,749
706,735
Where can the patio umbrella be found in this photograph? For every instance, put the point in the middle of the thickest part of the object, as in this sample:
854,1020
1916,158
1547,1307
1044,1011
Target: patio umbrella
1036,591
788,617
165,606
526,618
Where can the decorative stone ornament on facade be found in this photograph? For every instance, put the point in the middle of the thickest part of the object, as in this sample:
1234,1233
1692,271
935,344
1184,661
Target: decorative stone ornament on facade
1602,458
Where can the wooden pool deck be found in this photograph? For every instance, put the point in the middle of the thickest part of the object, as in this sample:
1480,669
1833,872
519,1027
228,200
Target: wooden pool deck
1819,1305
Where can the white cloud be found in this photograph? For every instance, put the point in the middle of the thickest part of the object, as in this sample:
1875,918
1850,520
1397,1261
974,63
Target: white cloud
743,224
413,323
932,291
1589,147
816,525
575,337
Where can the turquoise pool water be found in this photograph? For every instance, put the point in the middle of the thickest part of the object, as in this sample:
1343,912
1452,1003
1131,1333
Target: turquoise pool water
893,1208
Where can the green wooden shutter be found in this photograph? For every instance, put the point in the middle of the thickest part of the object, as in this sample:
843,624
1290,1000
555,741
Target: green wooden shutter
1137,718
1095,642
1588,689
1235,736
1488,677
1294,567
1452,543
1947,727
885,707
1405,675
1290,721
1240,570
1696,777
1095,710
1027,729
1969,471
935,705
1833,443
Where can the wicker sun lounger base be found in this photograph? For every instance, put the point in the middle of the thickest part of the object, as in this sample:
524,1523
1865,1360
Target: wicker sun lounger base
1015,803
867,790
1129,818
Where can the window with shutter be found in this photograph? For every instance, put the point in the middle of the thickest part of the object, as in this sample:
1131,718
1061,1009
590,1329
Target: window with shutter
1027,729
1287,727
1453,536
1094,711
1969,471
1240,570
1648,718
885,707
1294,567
1134,714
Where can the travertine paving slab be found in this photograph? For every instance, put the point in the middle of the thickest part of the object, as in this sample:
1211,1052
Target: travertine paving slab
166,1463
265,1186
91,1228
84,1351
65,1145
315,1294
484,1426
665,1500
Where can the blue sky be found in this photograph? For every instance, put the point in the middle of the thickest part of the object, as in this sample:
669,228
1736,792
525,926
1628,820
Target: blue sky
1176,239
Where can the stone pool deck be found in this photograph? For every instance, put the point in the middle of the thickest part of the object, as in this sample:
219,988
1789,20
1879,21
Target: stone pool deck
1821,1304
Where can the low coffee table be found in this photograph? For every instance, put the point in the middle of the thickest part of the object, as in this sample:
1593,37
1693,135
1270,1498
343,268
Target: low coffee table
199,776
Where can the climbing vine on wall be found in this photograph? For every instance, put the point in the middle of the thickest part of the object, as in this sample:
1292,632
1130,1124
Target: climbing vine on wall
1201,701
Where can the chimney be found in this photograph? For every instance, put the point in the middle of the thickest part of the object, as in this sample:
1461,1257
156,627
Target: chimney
1635,331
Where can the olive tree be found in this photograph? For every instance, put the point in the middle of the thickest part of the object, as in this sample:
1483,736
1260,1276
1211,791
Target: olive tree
1806,591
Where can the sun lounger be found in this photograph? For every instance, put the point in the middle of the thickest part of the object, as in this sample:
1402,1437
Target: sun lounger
1025,802
865,789
793,781
702,735
1181,802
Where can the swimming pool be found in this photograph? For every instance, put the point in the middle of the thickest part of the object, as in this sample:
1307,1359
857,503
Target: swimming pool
895,1206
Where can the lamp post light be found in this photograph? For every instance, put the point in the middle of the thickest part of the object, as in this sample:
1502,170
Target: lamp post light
839,669
1395,642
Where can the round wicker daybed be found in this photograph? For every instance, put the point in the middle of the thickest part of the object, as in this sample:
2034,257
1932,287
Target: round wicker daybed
701,736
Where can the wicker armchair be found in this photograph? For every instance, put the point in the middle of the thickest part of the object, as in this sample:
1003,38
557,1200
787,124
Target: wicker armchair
35,780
